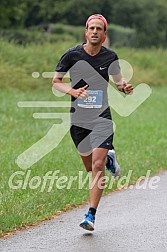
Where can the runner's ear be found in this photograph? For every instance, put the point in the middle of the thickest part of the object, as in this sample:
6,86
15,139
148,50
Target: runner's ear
86,37
103,40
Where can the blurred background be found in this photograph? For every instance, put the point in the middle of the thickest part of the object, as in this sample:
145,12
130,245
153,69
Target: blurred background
132,23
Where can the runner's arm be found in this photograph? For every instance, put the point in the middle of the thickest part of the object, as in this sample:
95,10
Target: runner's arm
121,84
59,85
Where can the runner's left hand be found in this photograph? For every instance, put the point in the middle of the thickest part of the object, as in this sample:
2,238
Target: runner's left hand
128,89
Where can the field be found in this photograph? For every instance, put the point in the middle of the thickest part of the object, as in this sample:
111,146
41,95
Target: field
140,139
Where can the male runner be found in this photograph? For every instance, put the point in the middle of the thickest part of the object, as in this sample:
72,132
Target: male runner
91,121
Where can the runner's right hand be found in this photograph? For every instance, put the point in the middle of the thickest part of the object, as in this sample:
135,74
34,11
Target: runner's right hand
79,93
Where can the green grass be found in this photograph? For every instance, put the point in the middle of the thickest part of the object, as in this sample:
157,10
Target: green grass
140,139
19,62
149,66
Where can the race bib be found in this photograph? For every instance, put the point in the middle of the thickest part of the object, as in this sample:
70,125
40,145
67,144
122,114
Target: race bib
94,99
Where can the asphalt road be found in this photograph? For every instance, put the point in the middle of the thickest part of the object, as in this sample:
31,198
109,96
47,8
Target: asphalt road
127,220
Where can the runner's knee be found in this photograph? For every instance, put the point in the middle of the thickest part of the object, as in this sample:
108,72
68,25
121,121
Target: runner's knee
98,165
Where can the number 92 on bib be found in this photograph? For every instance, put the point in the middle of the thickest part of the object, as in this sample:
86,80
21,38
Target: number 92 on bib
94,99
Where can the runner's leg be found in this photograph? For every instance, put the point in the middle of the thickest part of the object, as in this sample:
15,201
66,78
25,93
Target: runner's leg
87,161
98,171
96,161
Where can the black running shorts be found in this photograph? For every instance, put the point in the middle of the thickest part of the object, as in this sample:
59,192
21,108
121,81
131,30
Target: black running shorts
86,139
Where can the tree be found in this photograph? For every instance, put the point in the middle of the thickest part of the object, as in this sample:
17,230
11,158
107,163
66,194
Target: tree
146,16
12,13
76,12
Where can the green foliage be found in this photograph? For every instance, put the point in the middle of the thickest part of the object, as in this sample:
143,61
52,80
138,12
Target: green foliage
121,36
12,13
77,32
76,12
147,17
23,36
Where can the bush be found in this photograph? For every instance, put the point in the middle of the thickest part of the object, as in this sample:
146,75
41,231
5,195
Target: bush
36,36
121,36
78,32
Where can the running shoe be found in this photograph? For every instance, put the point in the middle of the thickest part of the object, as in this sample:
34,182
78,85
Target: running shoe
112,165
88,222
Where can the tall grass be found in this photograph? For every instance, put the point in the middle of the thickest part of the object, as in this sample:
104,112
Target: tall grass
149,66
18,63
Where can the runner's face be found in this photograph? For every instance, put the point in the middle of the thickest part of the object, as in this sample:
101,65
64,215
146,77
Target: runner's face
95,31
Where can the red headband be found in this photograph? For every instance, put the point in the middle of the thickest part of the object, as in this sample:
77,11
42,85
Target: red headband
99,16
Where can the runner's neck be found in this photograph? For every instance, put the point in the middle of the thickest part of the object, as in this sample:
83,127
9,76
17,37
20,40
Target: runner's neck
92,49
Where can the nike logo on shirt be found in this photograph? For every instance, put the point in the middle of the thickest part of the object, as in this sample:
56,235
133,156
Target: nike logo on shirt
101,68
